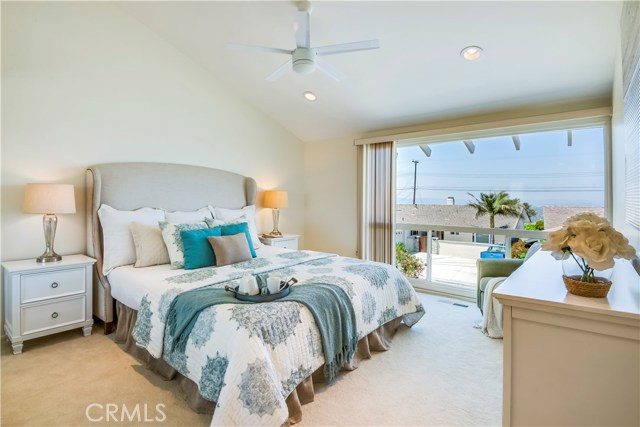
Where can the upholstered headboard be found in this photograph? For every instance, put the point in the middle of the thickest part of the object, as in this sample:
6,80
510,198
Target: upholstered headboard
129,186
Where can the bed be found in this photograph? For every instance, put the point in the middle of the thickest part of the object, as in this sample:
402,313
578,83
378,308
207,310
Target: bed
248,364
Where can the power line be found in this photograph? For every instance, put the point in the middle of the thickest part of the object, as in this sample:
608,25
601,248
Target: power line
523,190
508,175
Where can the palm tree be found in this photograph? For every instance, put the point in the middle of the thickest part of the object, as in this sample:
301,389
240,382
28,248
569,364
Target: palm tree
529,210
493,204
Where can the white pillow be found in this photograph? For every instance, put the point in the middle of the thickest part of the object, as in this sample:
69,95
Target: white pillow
150,247
211,223
119,248
185,217
249,212
173,241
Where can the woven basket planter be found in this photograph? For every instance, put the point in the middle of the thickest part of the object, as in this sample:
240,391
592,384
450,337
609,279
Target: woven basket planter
599,289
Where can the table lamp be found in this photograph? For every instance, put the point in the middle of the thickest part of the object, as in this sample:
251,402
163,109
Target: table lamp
49,199
275,200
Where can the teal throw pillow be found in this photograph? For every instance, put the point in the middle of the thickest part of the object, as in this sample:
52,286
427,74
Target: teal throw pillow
231,229
198,252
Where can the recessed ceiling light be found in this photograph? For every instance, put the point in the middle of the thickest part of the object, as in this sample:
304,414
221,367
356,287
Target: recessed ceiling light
471,53
310,96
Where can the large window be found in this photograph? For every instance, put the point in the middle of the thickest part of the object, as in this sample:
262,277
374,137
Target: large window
492,197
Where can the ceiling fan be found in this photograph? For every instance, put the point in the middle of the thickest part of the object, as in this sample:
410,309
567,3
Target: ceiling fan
304,58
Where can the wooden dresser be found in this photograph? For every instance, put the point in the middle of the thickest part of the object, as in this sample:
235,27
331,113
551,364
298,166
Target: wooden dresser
570,360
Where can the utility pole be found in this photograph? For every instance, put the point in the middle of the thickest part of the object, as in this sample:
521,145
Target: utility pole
415,175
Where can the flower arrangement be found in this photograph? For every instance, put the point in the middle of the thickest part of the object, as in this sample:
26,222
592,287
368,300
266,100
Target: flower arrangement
591,241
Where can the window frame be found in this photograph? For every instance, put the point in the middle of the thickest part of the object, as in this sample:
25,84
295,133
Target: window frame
603,121
580,123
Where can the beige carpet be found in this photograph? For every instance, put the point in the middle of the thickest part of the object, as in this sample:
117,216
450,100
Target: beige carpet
440,372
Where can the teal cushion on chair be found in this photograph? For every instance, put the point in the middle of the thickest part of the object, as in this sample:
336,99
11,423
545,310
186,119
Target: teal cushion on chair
197,250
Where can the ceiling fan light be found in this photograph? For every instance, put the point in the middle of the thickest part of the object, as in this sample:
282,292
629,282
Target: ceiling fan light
304,66
310,96
304,60
471,53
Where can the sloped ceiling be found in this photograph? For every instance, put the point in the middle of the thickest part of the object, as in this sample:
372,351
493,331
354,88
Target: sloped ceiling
535,53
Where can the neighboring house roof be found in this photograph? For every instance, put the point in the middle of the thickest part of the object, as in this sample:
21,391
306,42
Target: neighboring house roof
554,216
452,215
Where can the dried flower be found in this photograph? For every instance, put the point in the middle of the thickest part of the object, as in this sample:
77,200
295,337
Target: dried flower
592,239
587,217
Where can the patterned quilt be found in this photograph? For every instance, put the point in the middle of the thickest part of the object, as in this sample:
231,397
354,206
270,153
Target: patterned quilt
249,358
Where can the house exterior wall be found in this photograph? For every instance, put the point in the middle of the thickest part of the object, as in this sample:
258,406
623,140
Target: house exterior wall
460,237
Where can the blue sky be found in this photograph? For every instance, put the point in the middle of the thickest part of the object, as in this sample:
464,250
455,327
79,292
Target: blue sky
545,172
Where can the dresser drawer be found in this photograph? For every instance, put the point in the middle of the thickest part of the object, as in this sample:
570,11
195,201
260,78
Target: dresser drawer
52,284
39,317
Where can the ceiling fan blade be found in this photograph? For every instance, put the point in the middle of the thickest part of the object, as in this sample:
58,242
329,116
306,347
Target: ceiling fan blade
279,72
328,69
303,34
252,48
347,47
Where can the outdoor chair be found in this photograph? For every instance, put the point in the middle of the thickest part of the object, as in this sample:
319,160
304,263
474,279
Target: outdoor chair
489,268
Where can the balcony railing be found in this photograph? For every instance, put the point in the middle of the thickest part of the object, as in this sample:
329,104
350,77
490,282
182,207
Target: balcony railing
450,263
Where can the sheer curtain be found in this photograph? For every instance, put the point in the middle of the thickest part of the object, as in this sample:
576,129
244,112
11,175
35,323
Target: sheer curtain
376,201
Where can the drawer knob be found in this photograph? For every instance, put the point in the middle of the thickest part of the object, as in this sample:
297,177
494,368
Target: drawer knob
54,314
54,285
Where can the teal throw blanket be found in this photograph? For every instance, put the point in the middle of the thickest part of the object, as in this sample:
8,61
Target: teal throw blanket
329,304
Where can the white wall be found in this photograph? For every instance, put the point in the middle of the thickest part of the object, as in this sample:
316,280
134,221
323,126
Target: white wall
84,83
618,159
331,196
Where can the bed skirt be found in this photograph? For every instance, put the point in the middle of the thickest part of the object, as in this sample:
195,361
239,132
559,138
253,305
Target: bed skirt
378,340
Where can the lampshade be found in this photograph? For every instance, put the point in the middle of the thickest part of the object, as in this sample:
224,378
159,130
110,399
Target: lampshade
49,199
275,199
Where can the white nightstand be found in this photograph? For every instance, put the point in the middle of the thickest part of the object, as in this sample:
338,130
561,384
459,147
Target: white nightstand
287,241
43,299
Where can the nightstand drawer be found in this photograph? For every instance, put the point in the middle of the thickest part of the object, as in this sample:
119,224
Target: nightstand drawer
286,243
52,284
39,317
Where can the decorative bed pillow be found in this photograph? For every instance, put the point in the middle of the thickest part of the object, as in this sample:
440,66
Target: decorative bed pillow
173,242
150,248
187,217
197,251
230,249
218,222
231,214
242,227
119,247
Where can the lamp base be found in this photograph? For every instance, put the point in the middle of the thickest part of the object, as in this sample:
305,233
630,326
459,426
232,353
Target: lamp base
49,257
49,222
275,232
